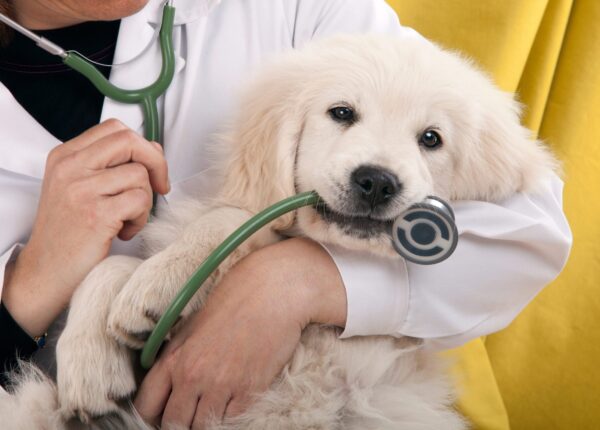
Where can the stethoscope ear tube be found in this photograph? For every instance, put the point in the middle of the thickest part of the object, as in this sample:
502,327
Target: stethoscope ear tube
426,232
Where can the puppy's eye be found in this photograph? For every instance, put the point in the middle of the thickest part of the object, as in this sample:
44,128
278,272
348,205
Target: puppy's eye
430,139
342,114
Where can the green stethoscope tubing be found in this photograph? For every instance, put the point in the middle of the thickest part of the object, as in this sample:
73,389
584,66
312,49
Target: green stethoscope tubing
147,97
235,239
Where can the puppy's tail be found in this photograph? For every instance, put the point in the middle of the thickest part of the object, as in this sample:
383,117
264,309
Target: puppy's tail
30,402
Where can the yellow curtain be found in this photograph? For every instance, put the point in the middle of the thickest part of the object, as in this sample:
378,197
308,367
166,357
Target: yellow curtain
543,371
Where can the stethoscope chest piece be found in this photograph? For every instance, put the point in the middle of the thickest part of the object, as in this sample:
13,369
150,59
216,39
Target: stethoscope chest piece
426,233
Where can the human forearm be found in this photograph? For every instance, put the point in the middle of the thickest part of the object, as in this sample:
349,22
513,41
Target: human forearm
305,268
96,187
245,334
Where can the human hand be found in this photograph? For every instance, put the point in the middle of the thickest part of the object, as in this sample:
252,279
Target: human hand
244,336
96,186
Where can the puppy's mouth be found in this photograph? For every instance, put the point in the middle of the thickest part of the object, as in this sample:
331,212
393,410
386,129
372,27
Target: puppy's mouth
361,226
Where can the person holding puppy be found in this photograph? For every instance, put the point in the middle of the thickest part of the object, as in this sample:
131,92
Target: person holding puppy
76,184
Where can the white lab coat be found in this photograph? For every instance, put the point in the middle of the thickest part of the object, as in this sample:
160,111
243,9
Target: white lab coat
507,253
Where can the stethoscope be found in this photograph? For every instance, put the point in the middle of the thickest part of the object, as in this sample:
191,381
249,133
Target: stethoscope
424,234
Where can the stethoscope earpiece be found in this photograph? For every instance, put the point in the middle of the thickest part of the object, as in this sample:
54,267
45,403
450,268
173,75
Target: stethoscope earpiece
426,233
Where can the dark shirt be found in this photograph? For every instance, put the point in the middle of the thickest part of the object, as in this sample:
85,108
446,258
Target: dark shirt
60,99
64,103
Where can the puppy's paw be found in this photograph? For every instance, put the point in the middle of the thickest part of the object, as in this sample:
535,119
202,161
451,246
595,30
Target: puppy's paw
144,298
94,373
156,282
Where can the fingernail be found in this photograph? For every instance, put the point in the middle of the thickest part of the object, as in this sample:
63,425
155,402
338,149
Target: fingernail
158,146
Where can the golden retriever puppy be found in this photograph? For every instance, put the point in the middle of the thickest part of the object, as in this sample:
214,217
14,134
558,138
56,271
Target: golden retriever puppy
374,124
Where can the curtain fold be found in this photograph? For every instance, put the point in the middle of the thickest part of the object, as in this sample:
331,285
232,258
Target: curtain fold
542,372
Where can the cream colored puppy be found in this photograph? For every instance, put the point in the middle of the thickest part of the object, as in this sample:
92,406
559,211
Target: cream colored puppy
373,124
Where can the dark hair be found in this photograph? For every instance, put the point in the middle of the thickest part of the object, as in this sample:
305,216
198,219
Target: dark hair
5,32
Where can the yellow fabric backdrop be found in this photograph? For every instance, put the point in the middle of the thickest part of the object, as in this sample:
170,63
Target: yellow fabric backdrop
542,372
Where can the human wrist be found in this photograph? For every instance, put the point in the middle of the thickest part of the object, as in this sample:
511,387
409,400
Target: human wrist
327,298
30,293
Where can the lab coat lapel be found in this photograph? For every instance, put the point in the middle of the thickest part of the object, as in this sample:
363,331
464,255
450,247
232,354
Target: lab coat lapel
24,143
179,98
135,35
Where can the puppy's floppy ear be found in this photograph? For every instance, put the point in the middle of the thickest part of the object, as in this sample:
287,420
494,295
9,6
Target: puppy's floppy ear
261,163
504,157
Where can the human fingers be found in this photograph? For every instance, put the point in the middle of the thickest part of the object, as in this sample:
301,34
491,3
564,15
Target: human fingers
114,149
134,226
115,180
114,198
132,205
123,147
153,394
237,405
90,136
119,179
211,407
181,407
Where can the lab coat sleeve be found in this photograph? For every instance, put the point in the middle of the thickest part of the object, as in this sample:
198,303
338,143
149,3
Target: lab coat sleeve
507,251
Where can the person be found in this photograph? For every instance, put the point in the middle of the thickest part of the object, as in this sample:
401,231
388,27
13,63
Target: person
76,186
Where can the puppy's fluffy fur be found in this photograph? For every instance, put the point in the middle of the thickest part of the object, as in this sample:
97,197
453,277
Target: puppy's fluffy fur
286,140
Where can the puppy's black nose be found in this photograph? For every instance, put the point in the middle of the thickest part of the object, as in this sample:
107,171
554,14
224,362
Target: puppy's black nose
375,185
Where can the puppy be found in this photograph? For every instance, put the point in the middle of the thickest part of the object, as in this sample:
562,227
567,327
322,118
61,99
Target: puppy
374,124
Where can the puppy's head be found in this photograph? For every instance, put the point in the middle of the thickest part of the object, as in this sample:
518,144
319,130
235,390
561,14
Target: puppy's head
374,124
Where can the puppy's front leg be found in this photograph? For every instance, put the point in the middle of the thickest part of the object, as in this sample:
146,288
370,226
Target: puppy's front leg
93,370
156,282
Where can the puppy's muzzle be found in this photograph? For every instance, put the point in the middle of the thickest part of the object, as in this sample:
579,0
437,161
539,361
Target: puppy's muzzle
374,186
